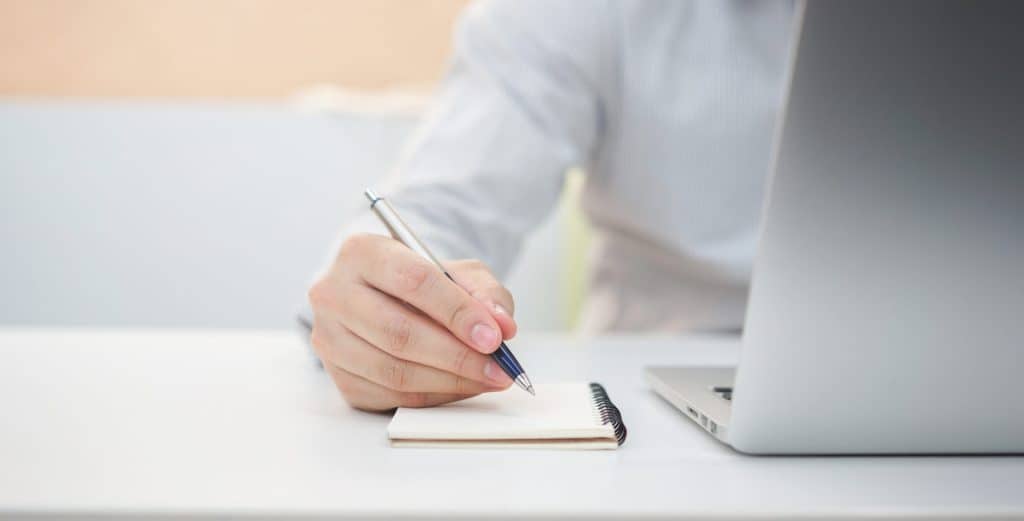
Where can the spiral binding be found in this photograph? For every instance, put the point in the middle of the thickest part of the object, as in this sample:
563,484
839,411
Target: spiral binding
608,412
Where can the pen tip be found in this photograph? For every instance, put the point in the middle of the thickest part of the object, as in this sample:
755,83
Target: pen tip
371,196
524,382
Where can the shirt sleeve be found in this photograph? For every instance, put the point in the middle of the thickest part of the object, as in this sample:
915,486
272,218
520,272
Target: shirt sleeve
519,106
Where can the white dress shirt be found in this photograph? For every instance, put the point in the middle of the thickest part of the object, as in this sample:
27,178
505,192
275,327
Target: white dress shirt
669,106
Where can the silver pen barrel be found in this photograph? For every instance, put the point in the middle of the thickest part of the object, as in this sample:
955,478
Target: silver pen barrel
398,229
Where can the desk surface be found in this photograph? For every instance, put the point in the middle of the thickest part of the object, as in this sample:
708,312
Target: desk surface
214,422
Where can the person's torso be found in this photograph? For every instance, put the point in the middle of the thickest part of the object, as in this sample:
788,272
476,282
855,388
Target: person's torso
676,190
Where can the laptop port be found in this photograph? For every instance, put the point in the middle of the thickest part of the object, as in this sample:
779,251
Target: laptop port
691,411
713,427
704,421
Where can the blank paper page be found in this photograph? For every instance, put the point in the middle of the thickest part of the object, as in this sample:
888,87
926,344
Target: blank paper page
565,411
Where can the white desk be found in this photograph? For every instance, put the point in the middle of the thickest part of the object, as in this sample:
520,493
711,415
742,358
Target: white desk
214,423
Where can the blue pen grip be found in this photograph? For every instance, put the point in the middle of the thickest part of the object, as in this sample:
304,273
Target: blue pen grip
507,361
503,355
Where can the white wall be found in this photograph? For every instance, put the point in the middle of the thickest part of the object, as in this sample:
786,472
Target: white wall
193,215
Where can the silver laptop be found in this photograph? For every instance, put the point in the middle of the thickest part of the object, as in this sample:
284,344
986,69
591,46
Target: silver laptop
886,312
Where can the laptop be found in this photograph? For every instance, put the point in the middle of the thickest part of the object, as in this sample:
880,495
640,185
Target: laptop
886,309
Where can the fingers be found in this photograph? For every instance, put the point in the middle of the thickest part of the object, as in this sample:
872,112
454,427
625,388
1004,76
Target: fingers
366,395
353,354
477,279
398,271
391,328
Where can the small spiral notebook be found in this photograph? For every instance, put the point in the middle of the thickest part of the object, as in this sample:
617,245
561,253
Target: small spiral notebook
561,416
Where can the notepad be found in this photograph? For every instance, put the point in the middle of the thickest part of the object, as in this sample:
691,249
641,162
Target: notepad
561,416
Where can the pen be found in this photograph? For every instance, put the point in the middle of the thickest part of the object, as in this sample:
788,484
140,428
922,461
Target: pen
401,232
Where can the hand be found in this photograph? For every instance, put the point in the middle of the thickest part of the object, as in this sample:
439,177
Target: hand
393,331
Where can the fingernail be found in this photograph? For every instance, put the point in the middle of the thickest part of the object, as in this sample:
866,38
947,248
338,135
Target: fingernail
500,310
493,373
484,336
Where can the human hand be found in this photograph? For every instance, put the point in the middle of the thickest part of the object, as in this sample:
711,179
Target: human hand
393,331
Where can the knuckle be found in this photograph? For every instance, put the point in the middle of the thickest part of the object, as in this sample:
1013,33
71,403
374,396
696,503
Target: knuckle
318,339
355,244
464,265
350,297
494,290
320,294
414,277
462,385
506,298
461,309
397,332
477,265
496,293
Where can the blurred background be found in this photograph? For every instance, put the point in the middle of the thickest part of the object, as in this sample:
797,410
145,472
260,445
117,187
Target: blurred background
186,163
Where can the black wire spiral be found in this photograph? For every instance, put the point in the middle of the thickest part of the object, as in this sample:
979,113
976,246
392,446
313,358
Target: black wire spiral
608,411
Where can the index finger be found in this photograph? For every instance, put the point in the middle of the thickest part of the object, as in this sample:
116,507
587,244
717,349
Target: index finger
398,271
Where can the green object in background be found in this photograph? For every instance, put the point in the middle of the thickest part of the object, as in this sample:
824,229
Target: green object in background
577,234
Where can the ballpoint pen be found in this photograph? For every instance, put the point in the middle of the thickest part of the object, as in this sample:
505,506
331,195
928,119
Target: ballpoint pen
401,232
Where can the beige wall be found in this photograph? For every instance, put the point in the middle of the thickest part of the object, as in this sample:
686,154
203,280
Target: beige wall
218,48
